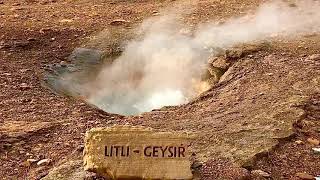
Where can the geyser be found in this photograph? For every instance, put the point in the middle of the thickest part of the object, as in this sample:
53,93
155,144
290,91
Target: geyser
163,65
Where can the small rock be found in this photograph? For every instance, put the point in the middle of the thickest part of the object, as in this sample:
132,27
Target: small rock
233,54
21,43
63,63
215,73
24,70
40,156
118,22
260,173
32,160
305,176
155,13
4,45
80,148
44,162
196,165
17,8
26,164
299,142
220,62
24,86
31,39
316,150
7,74
314,57
7,145
313,141
29,162
44,30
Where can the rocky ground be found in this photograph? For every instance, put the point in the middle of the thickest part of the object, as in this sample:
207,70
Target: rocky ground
260,121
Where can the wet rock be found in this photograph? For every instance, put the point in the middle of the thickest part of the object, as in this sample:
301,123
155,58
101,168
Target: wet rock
44,162
84,55
80,62
305,176
313,141
260,173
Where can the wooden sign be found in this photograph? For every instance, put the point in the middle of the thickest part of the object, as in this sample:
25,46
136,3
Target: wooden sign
126,152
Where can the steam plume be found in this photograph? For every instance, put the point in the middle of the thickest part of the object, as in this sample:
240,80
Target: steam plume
163,67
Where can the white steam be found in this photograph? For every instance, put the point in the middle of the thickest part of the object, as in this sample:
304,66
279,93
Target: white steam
163,67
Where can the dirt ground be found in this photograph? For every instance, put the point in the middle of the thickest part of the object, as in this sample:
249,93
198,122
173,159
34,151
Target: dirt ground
37,123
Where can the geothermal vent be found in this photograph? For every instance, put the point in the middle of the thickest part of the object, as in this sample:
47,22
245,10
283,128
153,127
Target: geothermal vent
163,65
124,87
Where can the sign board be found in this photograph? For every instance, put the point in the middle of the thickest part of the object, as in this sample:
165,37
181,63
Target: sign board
126,152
